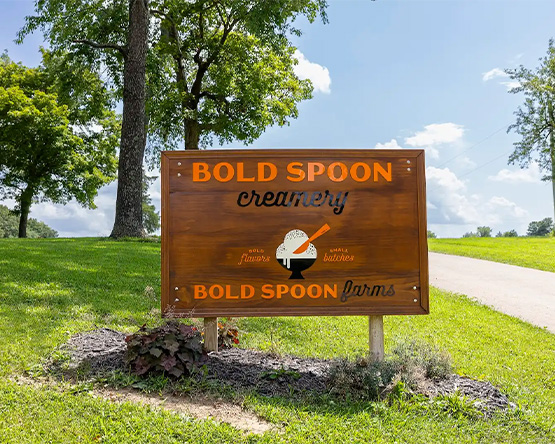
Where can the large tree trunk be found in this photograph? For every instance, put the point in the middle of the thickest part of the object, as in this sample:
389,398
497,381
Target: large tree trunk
129,212
192,134
24,205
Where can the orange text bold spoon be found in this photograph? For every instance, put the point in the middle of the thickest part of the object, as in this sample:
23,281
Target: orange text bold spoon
325,228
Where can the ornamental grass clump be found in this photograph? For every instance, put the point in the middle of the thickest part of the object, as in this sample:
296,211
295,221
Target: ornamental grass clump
173,349
409,363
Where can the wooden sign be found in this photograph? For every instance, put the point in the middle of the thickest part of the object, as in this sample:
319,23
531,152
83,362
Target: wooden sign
293,232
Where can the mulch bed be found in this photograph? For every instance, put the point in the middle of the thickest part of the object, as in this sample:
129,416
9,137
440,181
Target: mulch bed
103,350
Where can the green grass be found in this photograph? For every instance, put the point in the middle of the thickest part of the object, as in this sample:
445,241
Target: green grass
530,252
51,289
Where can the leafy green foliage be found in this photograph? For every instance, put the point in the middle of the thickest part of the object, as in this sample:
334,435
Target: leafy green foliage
480,232
484,231
70,34
431,234
227,68
151,218
540,228
46,152
9,226
510,233
173,348
470,234
535,120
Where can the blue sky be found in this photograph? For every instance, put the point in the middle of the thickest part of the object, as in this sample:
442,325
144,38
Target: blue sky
407,73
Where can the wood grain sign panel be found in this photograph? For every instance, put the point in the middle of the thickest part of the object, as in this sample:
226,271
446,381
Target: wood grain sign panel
293,232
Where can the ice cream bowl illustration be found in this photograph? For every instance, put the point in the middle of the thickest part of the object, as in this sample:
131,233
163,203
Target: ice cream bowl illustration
296,263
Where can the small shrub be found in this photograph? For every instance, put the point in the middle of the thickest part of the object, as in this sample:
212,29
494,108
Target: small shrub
409,363
414,358
358,380
171,349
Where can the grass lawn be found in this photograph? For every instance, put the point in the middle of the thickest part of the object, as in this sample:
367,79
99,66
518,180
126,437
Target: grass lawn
51,289
530,252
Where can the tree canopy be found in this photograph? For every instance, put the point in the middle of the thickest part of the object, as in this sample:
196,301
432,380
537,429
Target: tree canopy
540,228
55,144
112,36
220,68
226,66
535,119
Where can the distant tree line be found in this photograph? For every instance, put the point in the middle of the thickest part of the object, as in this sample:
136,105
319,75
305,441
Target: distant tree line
9,226
538,228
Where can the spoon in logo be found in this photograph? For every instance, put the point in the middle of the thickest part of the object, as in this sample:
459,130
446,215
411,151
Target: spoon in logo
324,229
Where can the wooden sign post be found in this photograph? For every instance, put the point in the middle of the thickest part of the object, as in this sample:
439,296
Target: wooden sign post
294,233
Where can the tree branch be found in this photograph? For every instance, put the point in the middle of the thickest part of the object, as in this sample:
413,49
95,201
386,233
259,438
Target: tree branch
93,44
218,99
179,56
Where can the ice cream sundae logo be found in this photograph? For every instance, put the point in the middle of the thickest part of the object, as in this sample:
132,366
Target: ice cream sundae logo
297,253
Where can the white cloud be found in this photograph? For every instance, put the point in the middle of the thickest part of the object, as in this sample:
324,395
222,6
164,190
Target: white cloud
499,73
392,144
501,208
528,175
494,73
510,85
319,75
434,135
450,204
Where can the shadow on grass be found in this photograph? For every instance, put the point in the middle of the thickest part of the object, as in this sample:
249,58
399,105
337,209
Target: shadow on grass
51,288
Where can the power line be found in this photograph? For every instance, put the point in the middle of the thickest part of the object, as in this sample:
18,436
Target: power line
485,164
475,145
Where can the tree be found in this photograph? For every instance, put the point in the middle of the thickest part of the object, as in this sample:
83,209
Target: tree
228,69
535,120
540,228
511,233
225,65
48,149
484,231
9,226
114,35
431,235
151,218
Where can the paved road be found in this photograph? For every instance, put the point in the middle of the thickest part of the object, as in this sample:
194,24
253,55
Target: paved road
522,292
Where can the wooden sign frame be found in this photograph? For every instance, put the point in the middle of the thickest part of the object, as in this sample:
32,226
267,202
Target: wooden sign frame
204,225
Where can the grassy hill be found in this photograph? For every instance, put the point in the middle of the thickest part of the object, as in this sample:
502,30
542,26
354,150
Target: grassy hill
51,289
530,252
